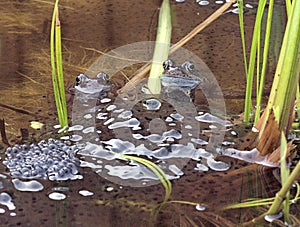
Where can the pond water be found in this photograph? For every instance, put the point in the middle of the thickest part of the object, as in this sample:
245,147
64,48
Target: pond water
116,197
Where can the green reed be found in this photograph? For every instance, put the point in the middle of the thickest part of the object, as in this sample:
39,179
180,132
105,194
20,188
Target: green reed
282,199
258,61
162,46
286,79
57,69
254,57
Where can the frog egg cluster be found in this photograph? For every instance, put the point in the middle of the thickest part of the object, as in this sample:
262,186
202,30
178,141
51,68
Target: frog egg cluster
52,159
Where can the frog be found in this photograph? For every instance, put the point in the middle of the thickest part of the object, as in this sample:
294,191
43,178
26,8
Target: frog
179,82
185,76
100,83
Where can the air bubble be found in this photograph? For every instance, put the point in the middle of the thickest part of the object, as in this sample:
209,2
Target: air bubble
28,186
57,196
88,116
6,200
88,130
111,107
177,116
86,193
109,189
217,165
209,118
109,121
201,167
199,141
176,170
169,119
270,218
200,208
203,3
125,115
131,123
101,116
105,100
152,104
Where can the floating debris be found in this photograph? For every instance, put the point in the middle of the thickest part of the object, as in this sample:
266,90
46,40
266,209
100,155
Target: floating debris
28,186
36,125
57,196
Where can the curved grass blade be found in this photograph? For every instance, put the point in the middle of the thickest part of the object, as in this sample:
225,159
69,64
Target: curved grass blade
156,170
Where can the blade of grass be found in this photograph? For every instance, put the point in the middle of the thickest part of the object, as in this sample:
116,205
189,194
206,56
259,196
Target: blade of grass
253,54
56,66
288,6
286,78
264,64
242,30
162,46
156,170
53,65
60,75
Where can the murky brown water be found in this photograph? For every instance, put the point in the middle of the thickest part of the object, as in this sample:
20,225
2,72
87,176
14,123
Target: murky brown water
88,28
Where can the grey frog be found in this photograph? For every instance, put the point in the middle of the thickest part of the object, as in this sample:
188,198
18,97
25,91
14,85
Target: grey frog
94,85
184,77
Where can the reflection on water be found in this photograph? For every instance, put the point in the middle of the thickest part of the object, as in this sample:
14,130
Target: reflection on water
90,28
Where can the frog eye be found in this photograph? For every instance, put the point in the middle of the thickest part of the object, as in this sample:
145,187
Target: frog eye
168,64
188,65
103,77
77,81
